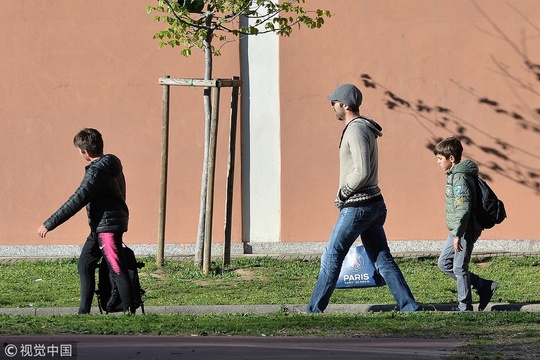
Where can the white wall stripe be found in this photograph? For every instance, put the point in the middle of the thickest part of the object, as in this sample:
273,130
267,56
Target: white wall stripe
261,155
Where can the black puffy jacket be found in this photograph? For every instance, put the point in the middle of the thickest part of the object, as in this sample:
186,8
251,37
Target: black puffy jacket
103,192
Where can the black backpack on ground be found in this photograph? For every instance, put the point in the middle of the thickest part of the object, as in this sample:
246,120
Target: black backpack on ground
107,291
488,210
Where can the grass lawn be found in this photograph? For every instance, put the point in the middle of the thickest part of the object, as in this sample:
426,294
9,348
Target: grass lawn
264,280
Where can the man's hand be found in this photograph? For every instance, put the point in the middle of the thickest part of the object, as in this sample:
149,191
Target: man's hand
457,244
339,203
42,231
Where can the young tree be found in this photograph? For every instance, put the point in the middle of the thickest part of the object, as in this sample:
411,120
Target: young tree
198,23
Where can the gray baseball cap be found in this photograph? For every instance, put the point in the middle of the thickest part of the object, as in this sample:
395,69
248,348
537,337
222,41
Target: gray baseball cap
347,94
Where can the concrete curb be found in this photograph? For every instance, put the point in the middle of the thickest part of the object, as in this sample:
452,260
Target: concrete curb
269,309
406,247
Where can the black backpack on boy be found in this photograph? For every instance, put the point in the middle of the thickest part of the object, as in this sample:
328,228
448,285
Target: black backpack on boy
488,210
107,291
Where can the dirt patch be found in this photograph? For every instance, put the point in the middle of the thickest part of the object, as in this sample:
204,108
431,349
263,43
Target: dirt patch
157,274
483,264
245,274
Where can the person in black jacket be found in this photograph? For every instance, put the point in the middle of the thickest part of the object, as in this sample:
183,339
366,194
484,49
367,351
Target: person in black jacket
103,192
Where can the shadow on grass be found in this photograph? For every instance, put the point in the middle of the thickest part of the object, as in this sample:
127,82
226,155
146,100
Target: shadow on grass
525,307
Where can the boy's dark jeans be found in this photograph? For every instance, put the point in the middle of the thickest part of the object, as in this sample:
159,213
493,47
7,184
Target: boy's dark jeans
90,255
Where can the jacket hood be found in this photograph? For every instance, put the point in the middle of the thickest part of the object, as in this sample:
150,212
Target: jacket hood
372,124
108,163
468,167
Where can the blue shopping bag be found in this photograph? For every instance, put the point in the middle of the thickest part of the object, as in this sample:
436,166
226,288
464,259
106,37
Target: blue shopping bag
358,270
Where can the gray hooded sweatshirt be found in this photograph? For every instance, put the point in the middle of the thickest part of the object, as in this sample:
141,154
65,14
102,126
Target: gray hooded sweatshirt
359,164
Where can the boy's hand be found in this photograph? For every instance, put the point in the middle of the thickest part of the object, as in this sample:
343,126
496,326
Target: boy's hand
42,231
457,244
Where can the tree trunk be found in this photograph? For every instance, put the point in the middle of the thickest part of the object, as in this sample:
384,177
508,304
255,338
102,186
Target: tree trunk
207,99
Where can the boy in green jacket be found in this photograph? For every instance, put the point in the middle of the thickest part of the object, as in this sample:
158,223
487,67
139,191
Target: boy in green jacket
464,230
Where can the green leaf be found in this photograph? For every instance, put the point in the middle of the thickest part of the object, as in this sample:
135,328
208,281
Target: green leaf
187,24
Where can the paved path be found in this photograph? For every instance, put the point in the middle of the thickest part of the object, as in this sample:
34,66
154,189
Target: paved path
103,347
108,347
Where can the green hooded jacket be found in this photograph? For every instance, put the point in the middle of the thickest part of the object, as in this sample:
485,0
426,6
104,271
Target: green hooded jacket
460,197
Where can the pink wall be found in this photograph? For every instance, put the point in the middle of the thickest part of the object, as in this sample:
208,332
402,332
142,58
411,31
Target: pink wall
460,66
94,64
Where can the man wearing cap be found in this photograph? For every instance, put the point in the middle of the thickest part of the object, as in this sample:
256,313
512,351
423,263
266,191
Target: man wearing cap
361,205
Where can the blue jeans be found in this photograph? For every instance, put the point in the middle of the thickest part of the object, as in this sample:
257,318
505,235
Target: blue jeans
456,265
366,222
